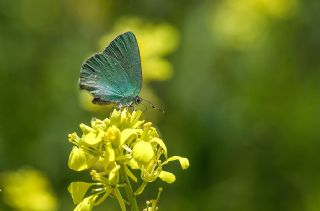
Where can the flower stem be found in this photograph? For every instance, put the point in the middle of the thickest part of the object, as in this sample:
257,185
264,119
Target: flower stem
128,189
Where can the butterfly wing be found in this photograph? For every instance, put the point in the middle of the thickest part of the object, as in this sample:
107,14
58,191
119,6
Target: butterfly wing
124,51
115,74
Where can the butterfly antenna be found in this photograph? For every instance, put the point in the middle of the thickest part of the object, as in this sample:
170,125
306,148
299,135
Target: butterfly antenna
145,108
153,106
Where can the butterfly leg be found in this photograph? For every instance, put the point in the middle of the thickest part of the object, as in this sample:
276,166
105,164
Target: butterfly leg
120,106
131,108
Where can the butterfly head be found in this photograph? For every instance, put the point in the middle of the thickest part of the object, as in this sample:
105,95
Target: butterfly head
137,100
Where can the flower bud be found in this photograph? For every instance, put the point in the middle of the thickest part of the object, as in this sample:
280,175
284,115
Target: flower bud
184,162
167,177
143,152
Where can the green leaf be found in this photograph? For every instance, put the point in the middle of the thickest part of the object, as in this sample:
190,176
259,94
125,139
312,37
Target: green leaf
78,190
105,195
130,174
141,188
120,199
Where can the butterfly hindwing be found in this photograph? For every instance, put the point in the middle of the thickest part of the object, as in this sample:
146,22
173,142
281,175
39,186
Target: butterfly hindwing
98,81
114,76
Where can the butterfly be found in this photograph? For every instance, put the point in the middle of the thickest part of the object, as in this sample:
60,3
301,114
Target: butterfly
114,75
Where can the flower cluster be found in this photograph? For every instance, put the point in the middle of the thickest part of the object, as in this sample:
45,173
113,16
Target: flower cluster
114,149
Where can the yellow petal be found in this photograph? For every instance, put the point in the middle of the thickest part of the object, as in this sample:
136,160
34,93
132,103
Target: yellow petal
167,177
78,190
73,137
86,129
146,130
133,164
91,138
135,116
143,152
115,117
98,124
184,162
114,175
106,122
161,144
110,154
138,124
124,118
79,160
91,160
86,204
128,135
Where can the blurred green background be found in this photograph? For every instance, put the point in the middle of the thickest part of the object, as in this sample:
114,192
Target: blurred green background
239,80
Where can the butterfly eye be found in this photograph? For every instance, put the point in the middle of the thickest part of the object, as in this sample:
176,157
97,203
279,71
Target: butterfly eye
138,100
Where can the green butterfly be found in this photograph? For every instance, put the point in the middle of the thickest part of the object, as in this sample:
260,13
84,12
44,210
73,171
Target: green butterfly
114,75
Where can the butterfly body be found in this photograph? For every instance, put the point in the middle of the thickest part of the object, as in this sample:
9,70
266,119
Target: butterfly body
114,75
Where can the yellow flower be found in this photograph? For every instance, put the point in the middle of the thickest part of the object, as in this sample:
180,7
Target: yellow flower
27,189
112,148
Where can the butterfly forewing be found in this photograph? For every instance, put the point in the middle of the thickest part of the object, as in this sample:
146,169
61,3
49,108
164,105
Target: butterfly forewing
115,74
124,49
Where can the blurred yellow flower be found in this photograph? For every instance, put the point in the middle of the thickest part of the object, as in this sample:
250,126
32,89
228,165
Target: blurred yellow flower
240,24
275,8
27,190
155,41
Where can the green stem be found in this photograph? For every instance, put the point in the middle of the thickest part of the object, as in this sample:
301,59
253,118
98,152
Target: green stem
128,189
